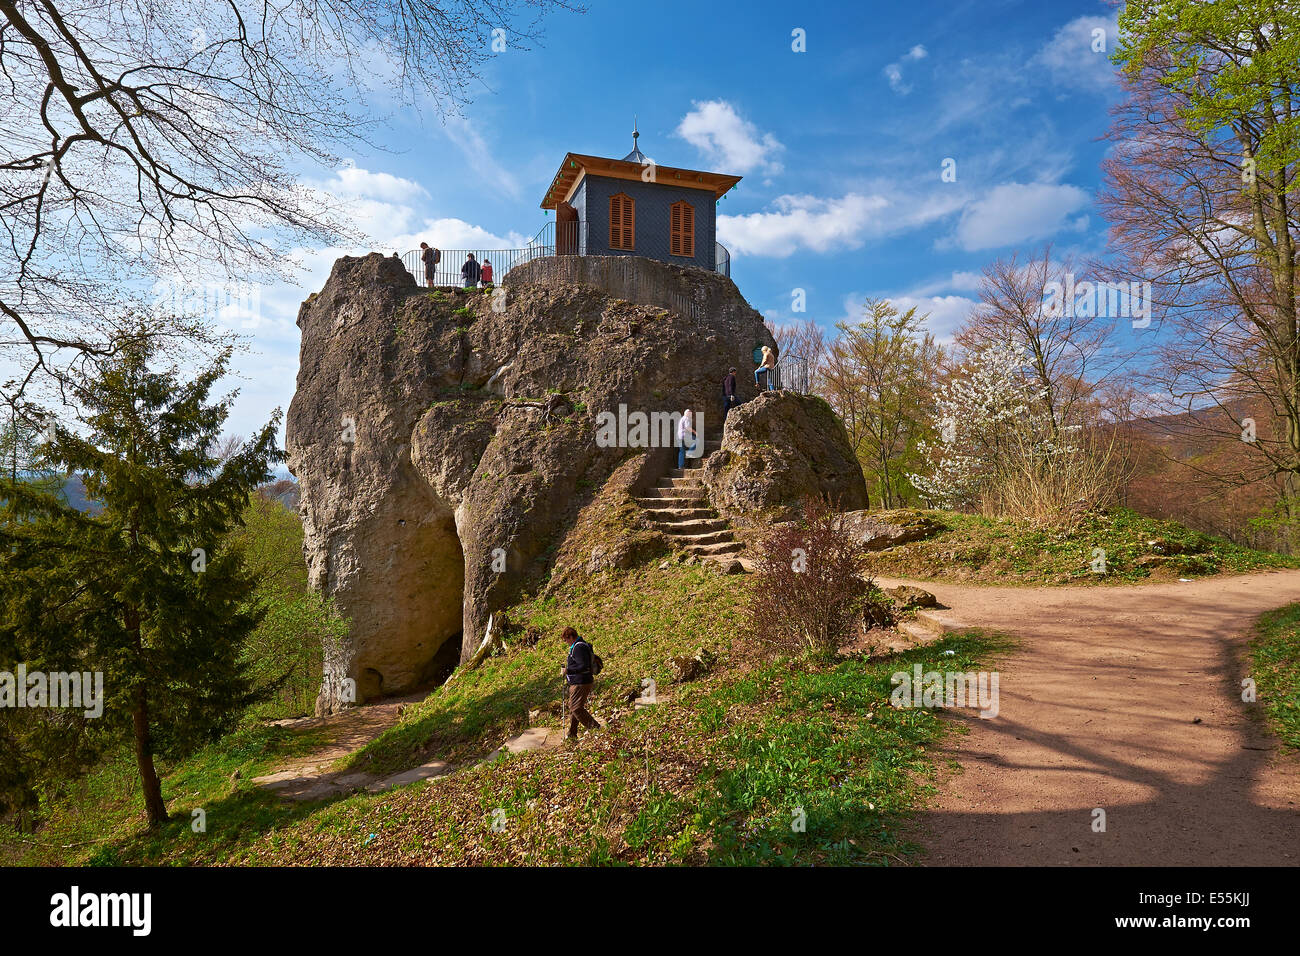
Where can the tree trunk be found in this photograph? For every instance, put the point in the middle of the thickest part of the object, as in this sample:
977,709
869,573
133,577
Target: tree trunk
154,807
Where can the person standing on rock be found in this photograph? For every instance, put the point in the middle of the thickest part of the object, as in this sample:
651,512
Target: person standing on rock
470,271
579,670
766,369
685,436
486,274
430,257
729,400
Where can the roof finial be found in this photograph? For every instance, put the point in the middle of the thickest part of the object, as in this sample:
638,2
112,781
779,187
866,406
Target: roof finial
636,156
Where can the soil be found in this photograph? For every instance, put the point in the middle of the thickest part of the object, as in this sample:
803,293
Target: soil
1125,700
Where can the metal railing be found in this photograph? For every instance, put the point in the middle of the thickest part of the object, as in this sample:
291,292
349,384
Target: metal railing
448,270
554,238
793,372
570,239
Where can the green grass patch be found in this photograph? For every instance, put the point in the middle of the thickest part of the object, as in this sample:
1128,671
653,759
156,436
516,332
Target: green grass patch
719,771
1275,665
1128,546
98,820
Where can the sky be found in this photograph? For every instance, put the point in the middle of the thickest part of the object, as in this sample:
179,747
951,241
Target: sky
843,146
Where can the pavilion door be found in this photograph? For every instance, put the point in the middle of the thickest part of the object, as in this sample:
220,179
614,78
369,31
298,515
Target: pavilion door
566,230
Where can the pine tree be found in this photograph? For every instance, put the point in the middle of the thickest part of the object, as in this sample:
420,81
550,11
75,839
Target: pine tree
146,591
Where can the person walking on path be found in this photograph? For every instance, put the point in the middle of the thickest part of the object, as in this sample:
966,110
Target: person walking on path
580,669
729,399
470,271
486,274
430,257
766,368
686,436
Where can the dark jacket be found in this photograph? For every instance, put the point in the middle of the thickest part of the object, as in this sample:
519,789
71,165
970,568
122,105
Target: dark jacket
577,668
470,270
729,386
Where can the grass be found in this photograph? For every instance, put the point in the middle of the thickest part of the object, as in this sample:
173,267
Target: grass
1275,666
717,772
1128,546
98,819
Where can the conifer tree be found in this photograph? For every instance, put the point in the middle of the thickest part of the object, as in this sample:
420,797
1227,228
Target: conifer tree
147,591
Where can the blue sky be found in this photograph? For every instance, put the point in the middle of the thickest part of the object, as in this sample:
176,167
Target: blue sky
841,148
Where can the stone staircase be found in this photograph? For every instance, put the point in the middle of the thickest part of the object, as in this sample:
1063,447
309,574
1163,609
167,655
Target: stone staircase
678,506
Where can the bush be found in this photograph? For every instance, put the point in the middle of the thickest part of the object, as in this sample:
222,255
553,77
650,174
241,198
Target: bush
813,590
285,653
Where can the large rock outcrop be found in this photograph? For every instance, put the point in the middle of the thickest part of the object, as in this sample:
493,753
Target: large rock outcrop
776,450
444,442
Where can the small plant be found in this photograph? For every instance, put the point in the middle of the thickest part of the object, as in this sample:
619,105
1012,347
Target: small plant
813,590
464,310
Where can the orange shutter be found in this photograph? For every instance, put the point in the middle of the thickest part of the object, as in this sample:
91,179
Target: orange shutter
682,242
622,222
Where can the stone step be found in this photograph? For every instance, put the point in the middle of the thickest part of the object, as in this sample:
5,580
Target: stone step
937,621
722,547
680,483
666,509
691,526
674,515
680,494
703,537
916,634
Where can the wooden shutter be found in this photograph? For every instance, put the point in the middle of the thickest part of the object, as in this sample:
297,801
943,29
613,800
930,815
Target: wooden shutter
682,242
622,222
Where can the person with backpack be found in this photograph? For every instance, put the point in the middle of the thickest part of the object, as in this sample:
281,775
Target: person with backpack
580,669
470,271
430,257
729,399
486,274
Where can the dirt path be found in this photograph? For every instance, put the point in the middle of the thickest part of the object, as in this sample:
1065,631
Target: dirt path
311,777
1100,706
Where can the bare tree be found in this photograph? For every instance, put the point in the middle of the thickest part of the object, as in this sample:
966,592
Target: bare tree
150,141
802,339
1067,349
1200,192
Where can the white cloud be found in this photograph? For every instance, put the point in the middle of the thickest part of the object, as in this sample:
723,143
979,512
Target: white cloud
1019,212
729,141
945,313
1072,57
354,181
801,221
958,281
812,222
894,71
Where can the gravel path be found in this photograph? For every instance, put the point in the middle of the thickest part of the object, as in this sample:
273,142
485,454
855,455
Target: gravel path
1128,700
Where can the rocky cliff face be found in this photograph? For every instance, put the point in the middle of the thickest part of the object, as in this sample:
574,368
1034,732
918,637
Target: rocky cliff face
778,448
445,441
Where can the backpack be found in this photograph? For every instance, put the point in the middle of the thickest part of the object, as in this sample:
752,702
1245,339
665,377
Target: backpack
597,665
437,256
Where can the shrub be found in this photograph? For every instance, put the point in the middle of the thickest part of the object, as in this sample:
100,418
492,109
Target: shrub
813,590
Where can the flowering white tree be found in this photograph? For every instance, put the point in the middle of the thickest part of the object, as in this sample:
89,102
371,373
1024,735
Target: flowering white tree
989,419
